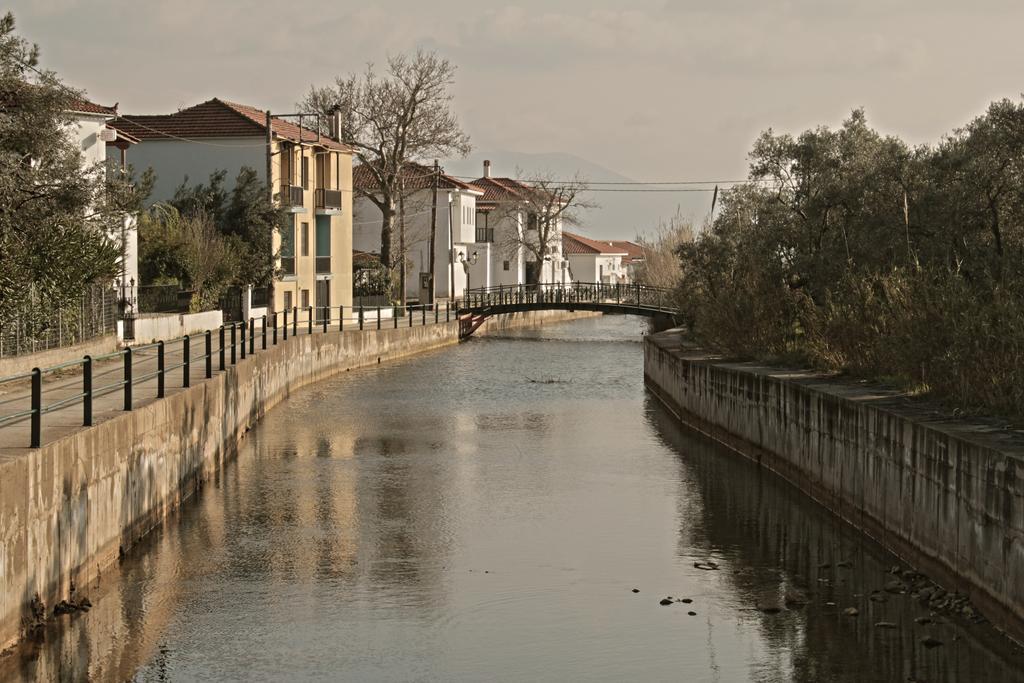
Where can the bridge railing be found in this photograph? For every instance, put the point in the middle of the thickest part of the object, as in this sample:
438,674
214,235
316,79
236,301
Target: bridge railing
623,295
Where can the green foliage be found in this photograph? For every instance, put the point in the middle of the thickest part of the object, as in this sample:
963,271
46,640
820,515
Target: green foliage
208,238
60,219
189,249
870,257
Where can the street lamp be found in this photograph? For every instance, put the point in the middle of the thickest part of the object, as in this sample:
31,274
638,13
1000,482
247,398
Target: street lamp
466,263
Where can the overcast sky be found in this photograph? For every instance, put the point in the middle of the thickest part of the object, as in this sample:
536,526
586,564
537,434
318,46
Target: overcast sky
652,89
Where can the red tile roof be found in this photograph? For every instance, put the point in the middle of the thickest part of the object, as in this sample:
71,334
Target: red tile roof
578,244
417,177
502,190
218,118
634,252
87,107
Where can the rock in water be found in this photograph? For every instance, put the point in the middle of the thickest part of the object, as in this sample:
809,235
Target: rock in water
851,611
930,642
885,624
665,601
636,590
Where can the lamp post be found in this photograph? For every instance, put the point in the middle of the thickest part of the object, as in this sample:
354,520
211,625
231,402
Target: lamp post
466,263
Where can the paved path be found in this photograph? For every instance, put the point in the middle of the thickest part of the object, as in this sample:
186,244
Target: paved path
108,376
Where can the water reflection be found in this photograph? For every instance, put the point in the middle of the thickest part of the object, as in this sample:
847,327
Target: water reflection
458,516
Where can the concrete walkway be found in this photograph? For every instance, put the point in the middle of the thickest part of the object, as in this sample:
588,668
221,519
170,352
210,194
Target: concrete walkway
108,377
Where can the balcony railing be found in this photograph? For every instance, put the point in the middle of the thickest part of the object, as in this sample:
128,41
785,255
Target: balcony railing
485,235
288,265
291,195
327,199
323,264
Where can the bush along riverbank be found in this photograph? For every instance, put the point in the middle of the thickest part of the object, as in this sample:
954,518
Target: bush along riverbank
858,253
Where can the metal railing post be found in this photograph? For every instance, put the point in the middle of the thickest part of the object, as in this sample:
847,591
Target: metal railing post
327,318
37,408
274,318
242,333
423,315
378,317
208,339
360,318
284,328
341,318
252,336
221,365
408,312
263,339
128,378
234,332
295,321
87,391
437,314
160,369
309,321
186,361
448,311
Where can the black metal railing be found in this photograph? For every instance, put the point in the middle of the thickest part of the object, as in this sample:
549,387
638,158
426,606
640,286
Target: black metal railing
260,297
39,325
625,296
327,199
158,299
27,398
291,195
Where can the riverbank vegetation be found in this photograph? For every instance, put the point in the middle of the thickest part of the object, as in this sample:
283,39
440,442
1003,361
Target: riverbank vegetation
856,252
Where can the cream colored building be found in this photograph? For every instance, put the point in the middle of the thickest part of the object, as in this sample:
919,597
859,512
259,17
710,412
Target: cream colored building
310,176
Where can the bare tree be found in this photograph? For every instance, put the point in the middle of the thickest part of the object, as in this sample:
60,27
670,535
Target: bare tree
662,266
546,206
389,119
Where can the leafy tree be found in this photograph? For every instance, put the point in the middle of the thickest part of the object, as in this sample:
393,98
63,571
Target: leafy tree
187,248
60,218
244,216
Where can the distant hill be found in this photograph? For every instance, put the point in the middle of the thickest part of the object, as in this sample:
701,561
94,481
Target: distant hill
621,215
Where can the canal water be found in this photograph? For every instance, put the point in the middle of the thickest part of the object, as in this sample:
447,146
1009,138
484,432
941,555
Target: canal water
513,509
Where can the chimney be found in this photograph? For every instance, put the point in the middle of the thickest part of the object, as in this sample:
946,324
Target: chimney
487,168
334,125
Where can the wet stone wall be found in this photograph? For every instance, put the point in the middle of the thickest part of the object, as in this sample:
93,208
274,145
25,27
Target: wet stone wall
946,495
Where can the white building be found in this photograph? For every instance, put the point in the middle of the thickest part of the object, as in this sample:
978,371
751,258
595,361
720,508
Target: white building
507,215
595,260
99,141
457,236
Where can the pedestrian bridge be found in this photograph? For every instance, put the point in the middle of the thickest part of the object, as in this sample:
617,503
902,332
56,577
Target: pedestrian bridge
634,299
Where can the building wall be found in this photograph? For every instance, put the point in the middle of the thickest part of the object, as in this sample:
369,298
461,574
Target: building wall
174,160
366,237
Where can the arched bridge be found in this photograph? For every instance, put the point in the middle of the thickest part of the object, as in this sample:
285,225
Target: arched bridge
630,299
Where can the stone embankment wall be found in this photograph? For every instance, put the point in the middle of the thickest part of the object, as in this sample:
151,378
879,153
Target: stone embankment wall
68,510
947,497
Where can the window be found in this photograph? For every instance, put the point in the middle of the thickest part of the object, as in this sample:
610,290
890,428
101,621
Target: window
288,249
287,163
305,298
287,300
323,245
531,222
305,240
504,265
305,172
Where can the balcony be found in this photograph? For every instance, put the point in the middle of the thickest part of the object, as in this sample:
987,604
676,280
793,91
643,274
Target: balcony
327,201
484,235
291,197
323,265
